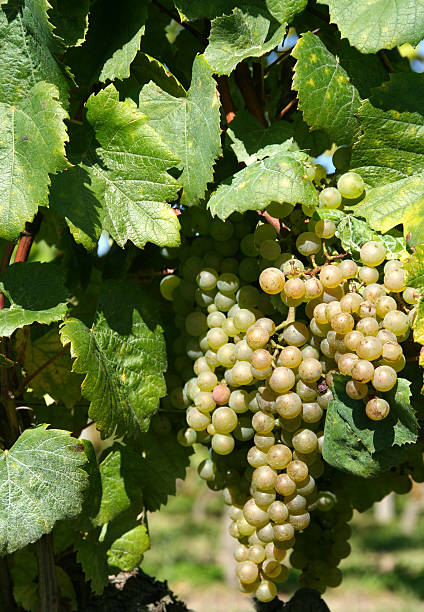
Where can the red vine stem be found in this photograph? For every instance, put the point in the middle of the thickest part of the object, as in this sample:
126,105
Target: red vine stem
4,263
226,100
287,108
245,83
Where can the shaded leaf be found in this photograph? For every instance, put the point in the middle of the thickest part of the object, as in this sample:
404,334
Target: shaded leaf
41,482
251,141
36,293
70,20
371,26
327,98
279,178
56,379
415,268
32,146
92,557
112,41
123,356
189,126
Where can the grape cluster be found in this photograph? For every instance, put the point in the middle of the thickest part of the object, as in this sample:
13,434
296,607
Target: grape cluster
255,387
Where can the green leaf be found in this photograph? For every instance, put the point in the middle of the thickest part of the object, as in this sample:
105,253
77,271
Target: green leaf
415,269
92,557
5,362
145,68
279,178
282,10
120,485
36,294
354,232
32,146
26,57
126,552
123,356
354,444
365,71
240,35
74,198
380,24
70,20
189,126
391,146
41,483
251,141
112,41
401,202
131,183
55,379
327,98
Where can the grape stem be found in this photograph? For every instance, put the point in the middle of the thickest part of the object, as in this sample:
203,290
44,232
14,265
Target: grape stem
291,318
331,257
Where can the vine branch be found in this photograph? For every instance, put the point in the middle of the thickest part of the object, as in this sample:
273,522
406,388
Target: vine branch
226,99
48,593
245,84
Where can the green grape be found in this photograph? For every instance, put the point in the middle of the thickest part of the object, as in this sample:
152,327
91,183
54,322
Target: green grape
243,351
264,478
370,348
216,337
222,444
206,381
385,304
330,198
270,250
229,327
304,441
284,485
241,373
351,185
257,337
207,278
264,231
331,276
221,230
310,370
196,323
226,355
373,253
377,409
384,378
224,302
411,295
215,319
308,243
197,420
362,371
396,322
395,281
266,591
247,572
325,228
243,319
228,283
168,285
207,469
279,456
348,268
192,267
249,269
296,334
280,211
262,423
342,322
247,296
311,412
248,246
256,457
272,280
368,275
187,437
204,401
254,514
282,379
229,265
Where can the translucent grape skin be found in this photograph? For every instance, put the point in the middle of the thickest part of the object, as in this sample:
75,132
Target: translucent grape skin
351,185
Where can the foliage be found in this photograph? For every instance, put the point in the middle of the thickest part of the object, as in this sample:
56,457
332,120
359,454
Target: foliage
173,130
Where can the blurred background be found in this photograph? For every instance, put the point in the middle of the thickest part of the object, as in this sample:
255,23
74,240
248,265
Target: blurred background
192,550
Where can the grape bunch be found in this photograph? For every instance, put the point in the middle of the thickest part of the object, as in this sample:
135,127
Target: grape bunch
264,333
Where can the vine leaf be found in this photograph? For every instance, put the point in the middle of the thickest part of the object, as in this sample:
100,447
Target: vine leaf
371,26
127,551
56,379
27,59
415,269
282,10
131,181
354,232
354,444
91,554
278,178
391,146
35,292
401,202
246,32
327,98
112,41
32,146
190,126
123,356
70,21
145,68
41,482
251,141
